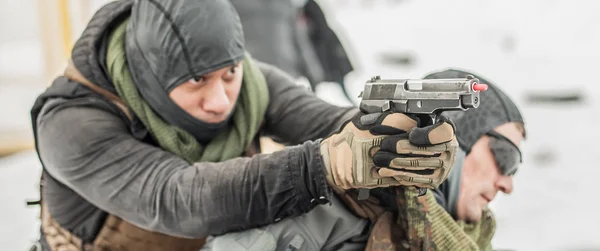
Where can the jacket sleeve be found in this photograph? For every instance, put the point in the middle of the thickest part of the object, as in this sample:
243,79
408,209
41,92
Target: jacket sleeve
92,152
295,114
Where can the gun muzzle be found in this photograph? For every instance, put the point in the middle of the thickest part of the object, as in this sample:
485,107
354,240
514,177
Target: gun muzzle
420,96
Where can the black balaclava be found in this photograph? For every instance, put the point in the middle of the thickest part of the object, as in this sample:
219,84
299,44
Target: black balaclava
169,42
495,109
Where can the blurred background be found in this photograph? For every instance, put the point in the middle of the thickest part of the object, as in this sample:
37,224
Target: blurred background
544,53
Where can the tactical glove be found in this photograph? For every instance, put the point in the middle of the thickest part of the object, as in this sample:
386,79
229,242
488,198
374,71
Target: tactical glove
389,149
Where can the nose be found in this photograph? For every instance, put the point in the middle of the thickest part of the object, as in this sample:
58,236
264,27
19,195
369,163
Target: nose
505,184
216,100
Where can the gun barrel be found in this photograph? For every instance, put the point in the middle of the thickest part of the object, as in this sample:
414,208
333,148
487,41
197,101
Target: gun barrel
420,96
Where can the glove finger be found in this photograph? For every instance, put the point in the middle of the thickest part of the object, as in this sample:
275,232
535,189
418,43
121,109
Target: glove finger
440,132
412,179
391,172
394,163
416,163
400,121
396,120
385,130
406,147
364,121
387,159
400,144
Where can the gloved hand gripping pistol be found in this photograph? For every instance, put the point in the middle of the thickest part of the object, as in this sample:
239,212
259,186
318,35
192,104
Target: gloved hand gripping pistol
423,98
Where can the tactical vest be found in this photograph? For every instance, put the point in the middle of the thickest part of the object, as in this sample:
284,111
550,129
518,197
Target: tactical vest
116,233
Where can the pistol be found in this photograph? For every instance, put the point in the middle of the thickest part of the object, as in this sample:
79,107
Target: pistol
424,98
420,96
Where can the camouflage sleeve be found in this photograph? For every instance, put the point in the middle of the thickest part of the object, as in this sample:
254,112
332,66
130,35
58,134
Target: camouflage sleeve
428,224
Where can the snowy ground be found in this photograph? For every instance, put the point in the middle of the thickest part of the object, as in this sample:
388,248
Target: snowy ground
524,46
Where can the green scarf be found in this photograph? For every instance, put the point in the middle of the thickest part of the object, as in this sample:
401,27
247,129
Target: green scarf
431,226
230,143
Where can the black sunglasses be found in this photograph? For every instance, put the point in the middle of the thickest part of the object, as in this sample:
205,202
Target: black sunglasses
508,156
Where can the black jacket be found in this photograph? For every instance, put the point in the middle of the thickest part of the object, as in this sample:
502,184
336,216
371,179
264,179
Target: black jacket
96,162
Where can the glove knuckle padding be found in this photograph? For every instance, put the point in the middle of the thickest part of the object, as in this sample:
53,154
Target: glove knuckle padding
350,154
416,163
428,172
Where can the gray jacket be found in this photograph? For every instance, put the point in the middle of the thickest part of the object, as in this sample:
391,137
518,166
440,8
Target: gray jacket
96,162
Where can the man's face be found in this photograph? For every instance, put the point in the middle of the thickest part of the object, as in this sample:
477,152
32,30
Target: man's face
482,177
212,97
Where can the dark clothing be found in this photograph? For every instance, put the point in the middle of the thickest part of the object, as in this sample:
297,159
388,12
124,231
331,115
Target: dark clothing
294,37
96,162
329,49
272,36
495,109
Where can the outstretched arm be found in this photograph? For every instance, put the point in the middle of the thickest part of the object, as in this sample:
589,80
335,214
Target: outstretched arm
91,151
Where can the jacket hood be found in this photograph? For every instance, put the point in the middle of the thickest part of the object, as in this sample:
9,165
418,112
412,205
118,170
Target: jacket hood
89,52
166,43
